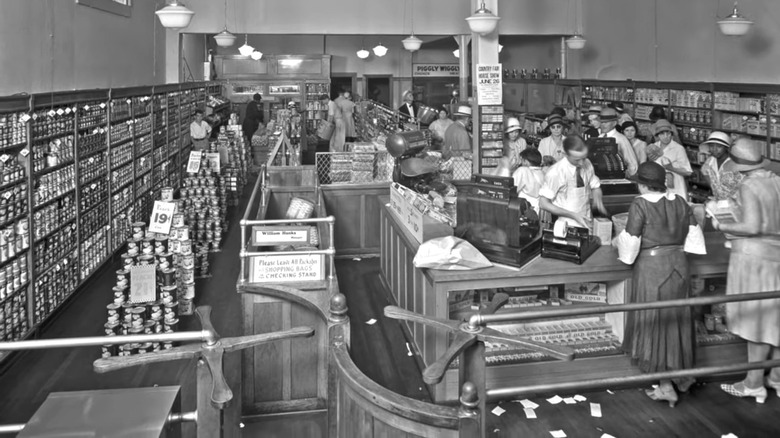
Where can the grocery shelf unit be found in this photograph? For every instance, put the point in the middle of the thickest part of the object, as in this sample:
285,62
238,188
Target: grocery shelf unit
77,168
696,108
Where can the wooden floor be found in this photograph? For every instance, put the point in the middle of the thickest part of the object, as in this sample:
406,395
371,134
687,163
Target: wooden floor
379,350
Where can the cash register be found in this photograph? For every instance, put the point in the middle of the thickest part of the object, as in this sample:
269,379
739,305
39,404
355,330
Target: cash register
610,167
572,244
501,225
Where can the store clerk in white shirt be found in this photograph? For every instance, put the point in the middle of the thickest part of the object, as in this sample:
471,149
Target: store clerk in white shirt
569,185
609,119
200,131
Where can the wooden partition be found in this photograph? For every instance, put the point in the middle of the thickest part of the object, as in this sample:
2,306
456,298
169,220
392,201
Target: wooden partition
357,209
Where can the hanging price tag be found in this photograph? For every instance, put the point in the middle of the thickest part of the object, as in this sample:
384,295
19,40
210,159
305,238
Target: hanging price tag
102,105
74,109
52,113
67,110
4,157
60,112
162,216
7,195
129,101
25,118
25,152
193,165
93,186
91,160
86,107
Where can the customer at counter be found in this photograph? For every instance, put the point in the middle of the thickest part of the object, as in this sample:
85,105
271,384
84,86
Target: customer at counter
671,155
718,170
594,122
659,113
754,266
630,130
514,142
551,147
623,117
457,139
569,184
409,107
609,119
661,227
439,127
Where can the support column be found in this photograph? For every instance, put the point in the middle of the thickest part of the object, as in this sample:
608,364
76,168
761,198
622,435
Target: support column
484,50
463,60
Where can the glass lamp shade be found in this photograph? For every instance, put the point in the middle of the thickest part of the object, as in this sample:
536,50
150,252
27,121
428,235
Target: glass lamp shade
380,50
256,55
412,43
735,24
500,48
175,16
246,50
225,38
576,42
363,53
456,52
483,21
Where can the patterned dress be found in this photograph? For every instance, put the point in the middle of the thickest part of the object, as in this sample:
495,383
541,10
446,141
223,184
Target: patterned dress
754,266
660,340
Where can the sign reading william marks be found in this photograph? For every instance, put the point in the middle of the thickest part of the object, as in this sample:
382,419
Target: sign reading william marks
435,70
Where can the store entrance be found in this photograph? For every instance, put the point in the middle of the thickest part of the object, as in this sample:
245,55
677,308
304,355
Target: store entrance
341,82
379,88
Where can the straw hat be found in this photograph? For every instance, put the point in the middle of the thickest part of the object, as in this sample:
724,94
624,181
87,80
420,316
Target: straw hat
512,125
594,109
608,115
463,110
747,155
662,125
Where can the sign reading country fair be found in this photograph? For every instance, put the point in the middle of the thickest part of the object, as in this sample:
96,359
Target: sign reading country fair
489,84
435,70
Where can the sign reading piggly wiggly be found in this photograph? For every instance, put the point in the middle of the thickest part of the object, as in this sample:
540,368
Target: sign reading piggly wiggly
435,70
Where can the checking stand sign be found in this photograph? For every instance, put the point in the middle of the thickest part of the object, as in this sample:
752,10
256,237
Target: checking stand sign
287,268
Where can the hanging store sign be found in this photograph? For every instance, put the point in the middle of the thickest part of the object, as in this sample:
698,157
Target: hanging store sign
435,70
489,84
287,268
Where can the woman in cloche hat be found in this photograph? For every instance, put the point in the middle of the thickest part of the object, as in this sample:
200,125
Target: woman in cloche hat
718,170
655,243
551,147
514,143
754,266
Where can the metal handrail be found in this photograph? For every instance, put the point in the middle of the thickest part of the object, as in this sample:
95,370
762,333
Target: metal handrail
93,341
313,220
515,391
11,428
478,320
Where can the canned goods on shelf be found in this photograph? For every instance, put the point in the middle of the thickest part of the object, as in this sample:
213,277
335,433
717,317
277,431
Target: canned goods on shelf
166,194
185,307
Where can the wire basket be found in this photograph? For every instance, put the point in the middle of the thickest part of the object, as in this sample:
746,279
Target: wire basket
353,167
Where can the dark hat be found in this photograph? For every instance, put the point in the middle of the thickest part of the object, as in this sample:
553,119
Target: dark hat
324,97
629,124
257,97
650,174
608,115
747,155
555,119
618,106
657,112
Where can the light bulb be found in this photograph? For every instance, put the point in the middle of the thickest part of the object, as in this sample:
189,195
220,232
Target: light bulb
380,50
256,55
363,53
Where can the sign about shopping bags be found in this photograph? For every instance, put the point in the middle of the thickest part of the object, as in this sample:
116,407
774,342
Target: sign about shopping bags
287,268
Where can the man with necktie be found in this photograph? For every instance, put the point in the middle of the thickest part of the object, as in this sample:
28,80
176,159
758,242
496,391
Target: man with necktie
569,185
409,107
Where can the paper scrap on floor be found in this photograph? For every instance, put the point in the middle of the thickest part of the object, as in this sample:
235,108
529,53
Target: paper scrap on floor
570,401
558,434
555,400
606,435
580,398
356,259
528,404
529,413
595,410
371,321
497,411
610,391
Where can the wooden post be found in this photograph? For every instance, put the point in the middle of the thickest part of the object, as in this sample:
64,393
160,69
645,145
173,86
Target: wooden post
338,322
469,413
471,371
209,418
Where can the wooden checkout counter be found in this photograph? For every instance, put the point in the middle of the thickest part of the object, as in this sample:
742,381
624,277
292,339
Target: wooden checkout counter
429,292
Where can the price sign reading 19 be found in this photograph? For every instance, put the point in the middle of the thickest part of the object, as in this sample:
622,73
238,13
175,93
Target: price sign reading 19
162,217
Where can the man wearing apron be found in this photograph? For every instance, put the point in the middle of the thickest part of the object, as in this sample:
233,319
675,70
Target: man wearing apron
569,184
200,131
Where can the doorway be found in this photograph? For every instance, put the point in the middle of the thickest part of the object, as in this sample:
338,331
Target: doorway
379,88
342,82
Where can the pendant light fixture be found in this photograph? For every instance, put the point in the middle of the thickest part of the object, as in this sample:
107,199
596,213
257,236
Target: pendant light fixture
735,24
576,42
363,53
256,55
175,15
246,49
380,50
225,38
483,21
456,52
412,43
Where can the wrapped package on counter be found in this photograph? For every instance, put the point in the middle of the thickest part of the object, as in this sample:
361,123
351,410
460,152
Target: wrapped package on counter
450,254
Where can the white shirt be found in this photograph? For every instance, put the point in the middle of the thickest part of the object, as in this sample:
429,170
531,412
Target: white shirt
439,127
625,150
548,147
411,110
674,153
528,181
563,175
514,148
199,131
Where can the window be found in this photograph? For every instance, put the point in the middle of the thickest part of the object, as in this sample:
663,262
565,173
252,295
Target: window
118,7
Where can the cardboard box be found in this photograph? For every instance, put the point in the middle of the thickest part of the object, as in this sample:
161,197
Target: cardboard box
602,228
